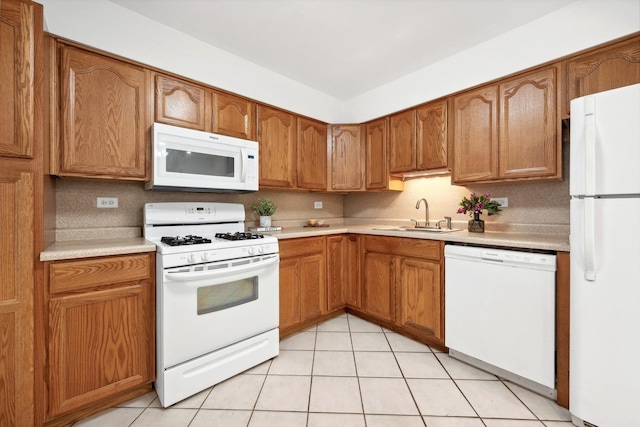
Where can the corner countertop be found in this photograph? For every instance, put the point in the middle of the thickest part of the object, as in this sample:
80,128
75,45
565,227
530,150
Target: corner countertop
74,249
550,242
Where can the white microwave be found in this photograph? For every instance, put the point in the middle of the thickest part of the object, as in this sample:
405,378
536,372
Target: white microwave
191,160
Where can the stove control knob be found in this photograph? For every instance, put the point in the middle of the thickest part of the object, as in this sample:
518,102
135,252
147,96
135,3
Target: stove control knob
205,256
261,249
191,258
252,251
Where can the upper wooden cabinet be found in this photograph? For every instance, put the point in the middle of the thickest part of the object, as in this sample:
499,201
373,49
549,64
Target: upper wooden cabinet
103,117
508,131
605,68
376,162
347,164
277,144
311,155
402,142
431,136
194,106
17,38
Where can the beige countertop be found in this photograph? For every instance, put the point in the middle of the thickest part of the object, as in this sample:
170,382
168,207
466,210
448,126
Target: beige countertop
550,242
74,249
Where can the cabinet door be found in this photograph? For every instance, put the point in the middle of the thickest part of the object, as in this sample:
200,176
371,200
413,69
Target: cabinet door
475,135
353,271
289,292
431,136
312,154
347,158
17,46
337,266
98,345
103,116
312,286
379,291
376,172
233,116
180,103
402,142
16,295
606,68
419,294
277,145
530,134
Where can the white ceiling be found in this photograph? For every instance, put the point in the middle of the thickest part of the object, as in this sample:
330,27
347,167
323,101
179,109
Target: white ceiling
343,47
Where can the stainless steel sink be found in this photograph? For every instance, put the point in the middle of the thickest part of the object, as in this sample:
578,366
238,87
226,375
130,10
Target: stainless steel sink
418,229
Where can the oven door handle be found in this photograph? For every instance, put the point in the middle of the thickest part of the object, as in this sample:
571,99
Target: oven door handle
199,275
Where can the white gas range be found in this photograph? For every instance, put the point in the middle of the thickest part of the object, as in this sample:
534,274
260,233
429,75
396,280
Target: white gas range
217,295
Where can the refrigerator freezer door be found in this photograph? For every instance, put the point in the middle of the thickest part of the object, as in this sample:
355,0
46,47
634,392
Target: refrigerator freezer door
605,318
605,143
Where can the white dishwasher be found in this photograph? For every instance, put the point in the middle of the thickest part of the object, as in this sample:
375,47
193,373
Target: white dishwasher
500,313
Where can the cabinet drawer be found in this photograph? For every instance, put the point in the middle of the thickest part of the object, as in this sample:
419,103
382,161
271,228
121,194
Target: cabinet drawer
79,274
302,246
425,249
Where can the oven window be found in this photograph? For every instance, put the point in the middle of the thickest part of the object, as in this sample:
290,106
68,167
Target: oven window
180,161
220,297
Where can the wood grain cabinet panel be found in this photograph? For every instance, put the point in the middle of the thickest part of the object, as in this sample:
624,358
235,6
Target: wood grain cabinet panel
17,280
376,170
179,103
475,135
337,266
17,32
277,144
609,67
101,330
103,116
402,142
347,158
311,155
431,136
530,132
379,286
302,282
353,262
233,116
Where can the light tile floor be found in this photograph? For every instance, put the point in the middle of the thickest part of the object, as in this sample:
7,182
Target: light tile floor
348,372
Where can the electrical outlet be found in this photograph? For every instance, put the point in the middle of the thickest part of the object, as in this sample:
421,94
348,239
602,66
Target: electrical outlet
504,201
107,202
317,205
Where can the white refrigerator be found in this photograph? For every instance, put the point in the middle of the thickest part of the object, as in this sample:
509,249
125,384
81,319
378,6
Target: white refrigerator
604,382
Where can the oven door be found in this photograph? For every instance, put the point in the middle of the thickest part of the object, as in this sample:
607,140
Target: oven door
206,307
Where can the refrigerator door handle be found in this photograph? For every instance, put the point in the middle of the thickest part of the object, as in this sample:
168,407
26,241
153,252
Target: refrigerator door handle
590,146
589,239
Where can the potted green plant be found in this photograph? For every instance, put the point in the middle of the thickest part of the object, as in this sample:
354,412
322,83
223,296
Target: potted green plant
474,206
265,208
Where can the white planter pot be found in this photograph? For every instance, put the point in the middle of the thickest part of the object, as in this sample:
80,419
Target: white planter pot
265,221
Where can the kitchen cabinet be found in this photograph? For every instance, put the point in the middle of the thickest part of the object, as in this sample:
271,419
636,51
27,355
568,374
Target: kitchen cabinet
418,139
509,130
403,285
347,158
337,272
302,282
193,106
606,67
353,262
311,151
376,162
21,205
101,331
277,142
104,117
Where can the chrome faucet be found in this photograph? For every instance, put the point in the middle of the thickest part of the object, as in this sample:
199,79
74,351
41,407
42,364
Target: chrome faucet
426,211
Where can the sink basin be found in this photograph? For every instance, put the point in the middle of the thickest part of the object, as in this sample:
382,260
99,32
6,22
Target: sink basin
414,229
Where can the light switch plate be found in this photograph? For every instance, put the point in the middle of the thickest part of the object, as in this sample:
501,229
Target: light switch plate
504,201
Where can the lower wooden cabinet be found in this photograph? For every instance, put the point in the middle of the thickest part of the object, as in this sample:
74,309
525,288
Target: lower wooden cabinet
302,282
101,332
379,286
337,266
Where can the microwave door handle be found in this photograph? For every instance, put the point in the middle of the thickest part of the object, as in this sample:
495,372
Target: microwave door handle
191,276
245,164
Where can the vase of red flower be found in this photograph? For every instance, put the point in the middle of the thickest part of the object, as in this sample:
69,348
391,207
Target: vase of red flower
474,205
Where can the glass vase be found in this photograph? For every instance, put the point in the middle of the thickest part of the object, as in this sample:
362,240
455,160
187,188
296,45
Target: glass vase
476,225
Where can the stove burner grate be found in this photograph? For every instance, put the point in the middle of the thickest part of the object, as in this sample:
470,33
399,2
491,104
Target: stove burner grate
186,240
239,236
